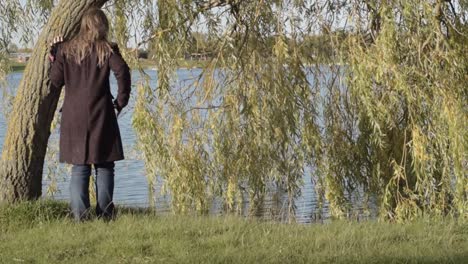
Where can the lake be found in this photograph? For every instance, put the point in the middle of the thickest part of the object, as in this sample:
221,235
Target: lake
131,188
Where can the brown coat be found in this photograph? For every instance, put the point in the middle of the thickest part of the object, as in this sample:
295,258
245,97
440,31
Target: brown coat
89,132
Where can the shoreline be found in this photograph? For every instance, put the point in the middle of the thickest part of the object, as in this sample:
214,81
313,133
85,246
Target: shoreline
183,65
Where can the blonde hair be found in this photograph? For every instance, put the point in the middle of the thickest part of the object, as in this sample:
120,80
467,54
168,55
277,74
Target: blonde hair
93,35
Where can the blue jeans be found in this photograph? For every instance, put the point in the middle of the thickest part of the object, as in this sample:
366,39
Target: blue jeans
79,190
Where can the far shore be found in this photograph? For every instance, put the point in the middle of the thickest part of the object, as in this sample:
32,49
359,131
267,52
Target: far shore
146,64
151,65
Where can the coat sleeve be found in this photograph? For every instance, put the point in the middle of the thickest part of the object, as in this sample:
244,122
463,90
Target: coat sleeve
122,74
56,74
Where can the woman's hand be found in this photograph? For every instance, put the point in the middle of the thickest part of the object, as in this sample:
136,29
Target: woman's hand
116,109
117,113
54,47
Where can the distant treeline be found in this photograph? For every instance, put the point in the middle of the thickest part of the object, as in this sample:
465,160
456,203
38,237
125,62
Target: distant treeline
321,48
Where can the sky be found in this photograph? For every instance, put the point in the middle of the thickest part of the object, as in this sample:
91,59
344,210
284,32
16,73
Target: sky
135,35
17,37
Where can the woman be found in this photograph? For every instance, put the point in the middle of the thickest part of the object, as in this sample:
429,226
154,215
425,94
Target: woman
89,133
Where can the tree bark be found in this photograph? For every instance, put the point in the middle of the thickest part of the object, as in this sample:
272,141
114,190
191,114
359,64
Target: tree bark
25,145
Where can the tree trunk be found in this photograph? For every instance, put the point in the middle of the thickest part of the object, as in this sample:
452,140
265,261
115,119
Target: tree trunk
34,106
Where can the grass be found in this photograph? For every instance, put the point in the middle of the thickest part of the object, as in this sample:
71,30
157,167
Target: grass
42,233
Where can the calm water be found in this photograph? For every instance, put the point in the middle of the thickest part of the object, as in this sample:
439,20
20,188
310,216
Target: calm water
131,187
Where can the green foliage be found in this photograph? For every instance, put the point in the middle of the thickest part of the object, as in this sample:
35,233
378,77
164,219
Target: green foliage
393,116
232,130
409,90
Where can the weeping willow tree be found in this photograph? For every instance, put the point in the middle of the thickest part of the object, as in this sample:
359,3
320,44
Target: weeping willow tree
367,97
385,120
246,120
408,86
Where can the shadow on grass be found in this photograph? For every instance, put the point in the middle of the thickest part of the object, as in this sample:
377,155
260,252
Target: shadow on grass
454,258
29,214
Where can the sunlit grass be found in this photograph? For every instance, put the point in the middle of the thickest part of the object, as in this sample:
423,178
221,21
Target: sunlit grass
42,233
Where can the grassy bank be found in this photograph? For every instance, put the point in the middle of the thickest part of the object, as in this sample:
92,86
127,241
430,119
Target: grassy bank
42,233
